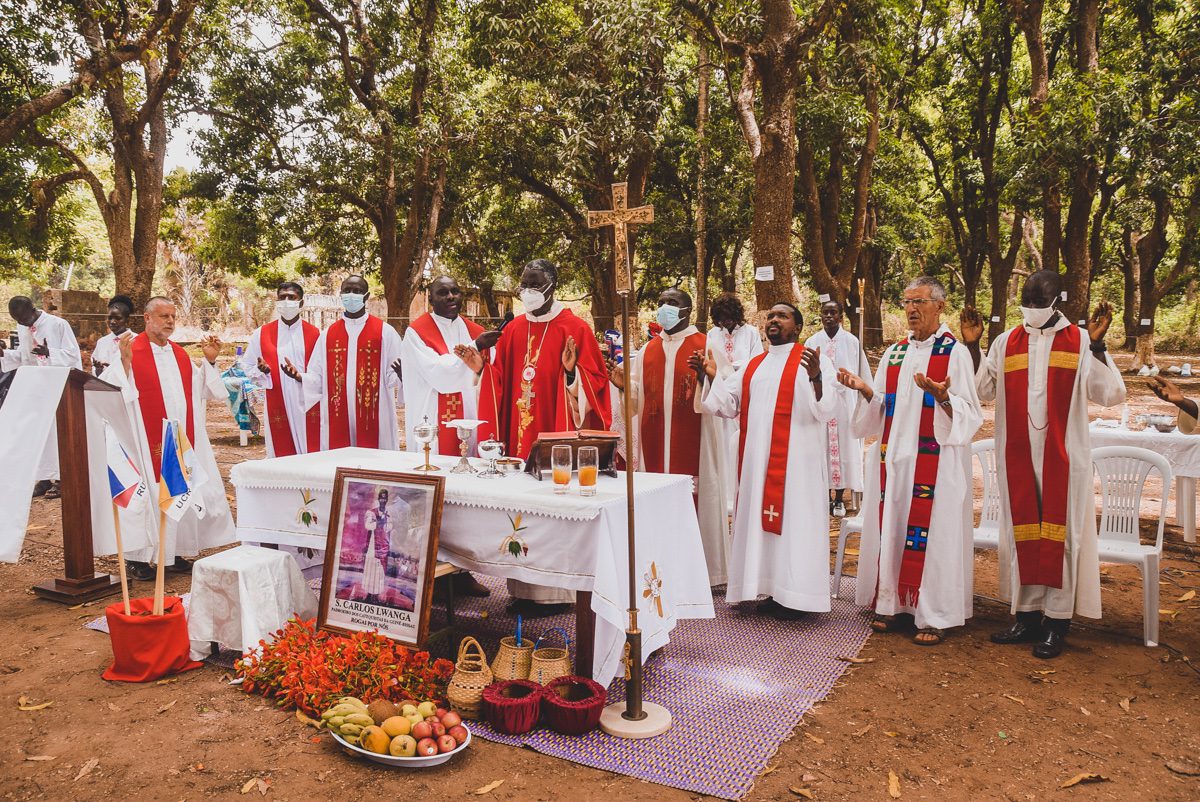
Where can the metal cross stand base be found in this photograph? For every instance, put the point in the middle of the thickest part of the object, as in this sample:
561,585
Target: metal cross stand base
632,718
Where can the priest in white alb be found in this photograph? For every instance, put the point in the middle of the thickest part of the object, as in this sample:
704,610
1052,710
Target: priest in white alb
354,373
438,386
160,382
106,352
732,343
43,340
780,543
292,426
673,435
843,450
917,551
1042,374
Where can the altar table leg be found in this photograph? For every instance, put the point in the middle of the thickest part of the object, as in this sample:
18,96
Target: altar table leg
585,633
1185,506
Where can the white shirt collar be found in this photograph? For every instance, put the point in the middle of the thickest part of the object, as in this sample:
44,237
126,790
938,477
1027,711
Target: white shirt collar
161,348
444,322
783,348
683,334
555,309
356,322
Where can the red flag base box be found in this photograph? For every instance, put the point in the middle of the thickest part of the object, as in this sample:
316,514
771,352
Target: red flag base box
145,646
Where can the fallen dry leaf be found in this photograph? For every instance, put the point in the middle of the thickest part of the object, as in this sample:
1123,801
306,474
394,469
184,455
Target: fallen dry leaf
770,770
1046,671
303,719
1191,594
1010,697
167,706
1167,612
1184,767
167,681
857,660
39,757
1085,711
249,786
26,704
487,789
814,738
893,785
891,734
863,731
1084,778
263,785
804,792
87,768
1124,704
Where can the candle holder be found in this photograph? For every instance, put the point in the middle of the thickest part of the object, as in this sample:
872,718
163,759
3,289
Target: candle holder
465,427
424,432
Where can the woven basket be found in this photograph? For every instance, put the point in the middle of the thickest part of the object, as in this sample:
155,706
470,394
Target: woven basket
512,661
471,676
550,662
572,705
512,706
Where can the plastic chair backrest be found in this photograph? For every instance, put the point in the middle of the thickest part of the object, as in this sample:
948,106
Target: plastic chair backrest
1122,471
985,453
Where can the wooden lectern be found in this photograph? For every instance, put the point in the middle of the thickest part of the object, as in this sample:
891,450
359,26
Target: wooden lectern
81,583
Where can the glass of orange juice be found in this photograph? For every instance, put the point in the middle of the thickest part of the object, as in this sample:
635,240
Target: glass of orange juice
589,462
560,467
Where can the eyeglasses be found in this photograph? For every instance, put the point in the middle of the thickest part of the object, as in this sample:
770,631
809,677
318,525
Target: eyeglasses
917,302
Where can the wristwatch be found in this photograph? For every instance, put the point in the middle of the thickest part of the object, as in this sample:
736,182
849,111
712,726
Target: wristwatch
947,403
815,379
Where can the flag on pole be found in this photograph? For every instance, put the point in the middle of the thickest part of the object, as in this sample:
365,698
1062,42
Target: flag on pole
173,489
124,481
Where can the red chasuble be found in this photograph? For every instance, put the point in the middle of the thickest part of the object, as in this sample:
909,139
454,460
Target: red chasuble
685,421
150,397
1039,520
366,384
781,435
526,407
277,417
450,405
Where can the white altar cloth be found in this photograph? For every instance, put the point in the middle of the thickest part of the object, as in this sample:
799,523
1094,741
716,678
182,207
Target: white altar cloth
566,541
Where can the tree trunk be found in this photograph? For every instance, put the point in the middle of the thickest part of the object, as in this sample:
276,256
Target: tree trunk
704,72
774,184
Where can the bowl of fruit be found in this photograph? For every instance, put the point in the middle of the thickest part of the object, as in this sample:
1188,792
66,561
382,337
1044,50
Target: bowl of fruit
410,734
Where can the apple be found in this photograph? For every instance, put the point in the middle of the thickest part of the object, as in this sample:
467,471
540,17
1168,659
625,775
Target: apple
403,746
427,709
422,730
451,719
408,710
432,719
441,712
446,744
439,729
458,733
427,747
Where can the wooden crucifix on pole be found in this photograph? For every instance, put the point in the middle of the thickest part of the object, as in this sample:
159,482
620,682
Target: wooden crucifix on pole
632,718
620,217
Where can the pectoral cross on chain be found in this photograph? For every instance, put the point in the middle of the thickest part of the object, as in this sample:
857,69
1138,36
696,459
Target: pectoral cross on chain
619,217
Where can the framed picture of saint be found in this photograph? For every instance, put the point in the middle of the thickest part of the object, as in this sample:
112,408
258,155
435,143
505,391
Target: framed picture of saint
381,554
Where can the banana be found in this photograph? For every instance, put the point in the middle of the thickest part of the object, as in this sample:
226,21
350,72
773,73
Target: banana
344,710
336,722
361,719
351,730
352,700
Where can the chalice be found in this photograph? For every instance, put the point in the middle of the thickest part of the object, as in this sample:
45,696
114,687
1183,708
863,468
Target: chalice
491,450
424,432
465,427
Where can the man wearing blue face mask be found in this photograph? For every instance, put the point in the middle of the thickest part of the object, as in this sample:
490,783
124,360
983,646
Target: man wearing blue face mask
291,428
1042,375
674,437
354,373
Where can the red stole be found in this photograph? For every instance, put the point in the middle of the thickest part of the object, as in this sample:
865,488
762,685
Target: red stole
1039,523
501,382
150,397
685,421
277,417
781,436
366,383
450,405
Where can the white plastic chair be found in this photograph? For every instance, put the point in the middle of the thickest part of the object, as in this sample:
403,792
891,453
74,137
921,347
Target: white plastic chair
849,525
1123,471
987,534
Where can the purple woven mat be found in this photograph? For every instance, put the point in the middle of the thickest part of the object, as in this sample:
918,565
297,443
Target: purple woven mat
741,680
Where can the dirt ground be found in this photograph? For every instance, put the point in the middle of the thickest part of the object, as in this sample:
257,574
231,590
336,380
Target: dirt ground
966,720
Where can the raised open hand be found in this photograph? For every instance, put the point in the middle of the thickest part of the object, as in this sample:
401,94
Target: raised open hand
811,361
210,346
487,340
970,325
1166,390
939,390
1099,322
470,356
570,355
855,382
398,368
263,367
616,373
290,370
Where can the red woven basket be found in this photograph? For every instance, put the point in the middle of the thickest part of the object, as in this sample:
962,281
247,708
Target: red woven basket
512,706
572,705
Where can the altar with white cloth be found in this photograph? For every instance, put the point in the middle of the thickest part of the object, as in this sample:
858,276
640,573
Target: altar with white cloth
517,528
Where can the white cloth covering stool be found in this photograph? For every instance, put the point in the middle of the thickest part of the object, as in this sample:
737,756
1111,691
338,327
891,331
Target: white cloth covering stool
242,595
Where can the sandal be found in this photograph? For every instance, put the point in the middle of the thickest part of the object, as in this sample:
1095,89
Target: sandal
929,636
884,623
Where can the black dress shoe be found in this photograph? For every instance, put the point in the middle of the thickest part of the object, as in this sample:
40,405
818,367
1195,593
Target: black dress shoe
139,570
1027,629
1054,642
527,608
767,606
467,585
180,566
788,614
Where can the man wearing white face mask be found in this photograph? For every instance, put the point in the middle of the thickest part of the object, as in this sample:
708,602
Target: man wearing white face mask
1042,377
290,429
674,436
354,373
